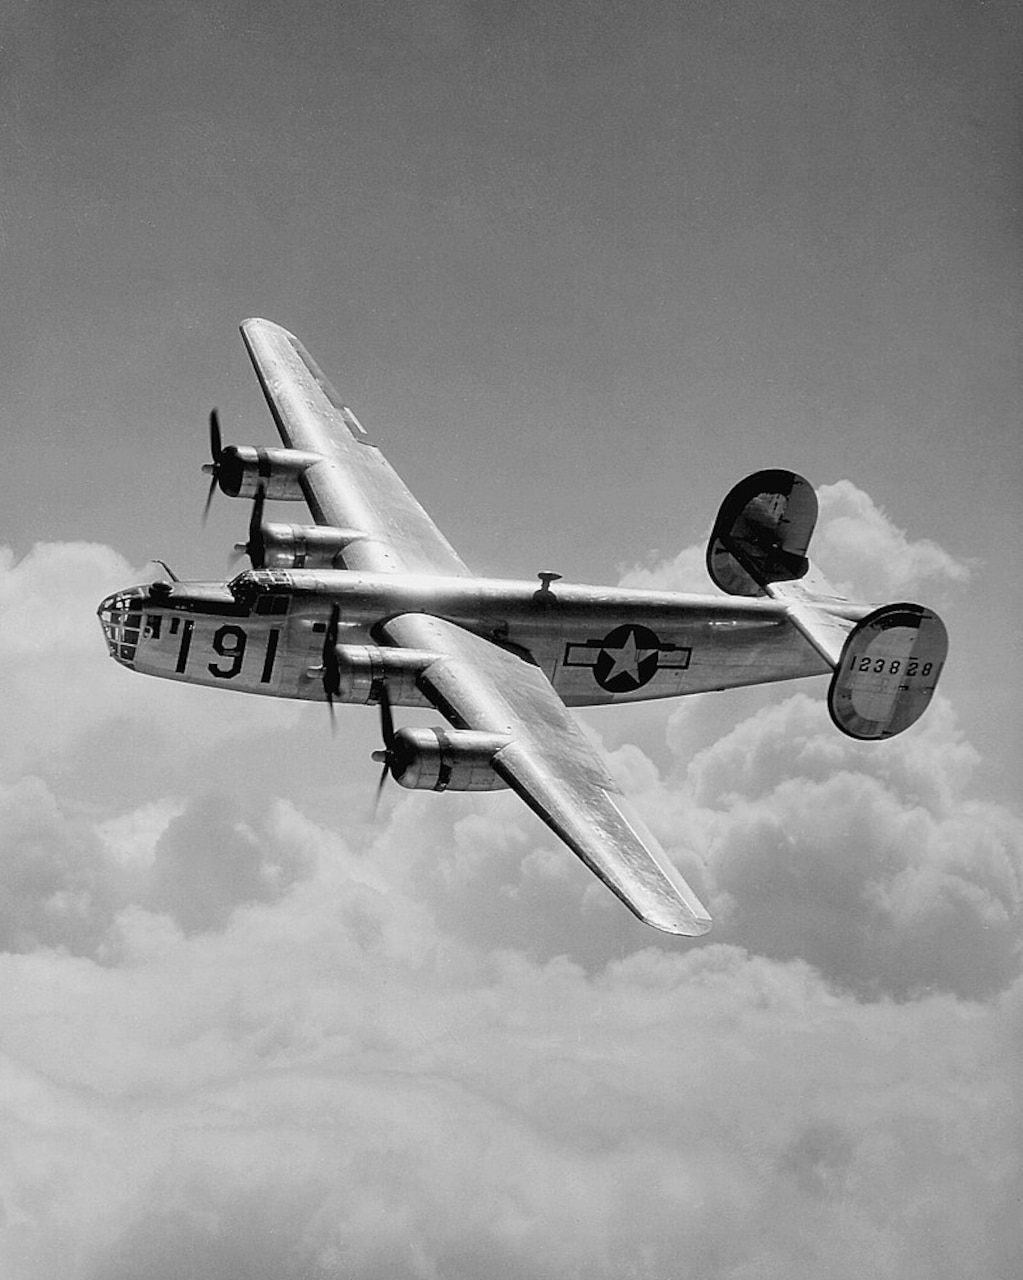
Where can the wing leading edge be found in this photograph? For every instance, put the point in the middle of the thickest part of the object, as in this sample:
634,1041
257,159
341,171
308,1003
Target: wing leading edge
550,764
354,486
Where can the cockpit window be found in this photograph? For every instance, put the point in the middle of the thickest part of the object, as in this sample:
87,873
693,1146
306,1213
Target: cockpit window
274,603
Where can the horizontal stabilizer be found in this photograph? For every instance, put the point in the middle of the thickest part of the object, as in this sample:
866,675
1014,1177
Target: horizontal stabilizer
888,671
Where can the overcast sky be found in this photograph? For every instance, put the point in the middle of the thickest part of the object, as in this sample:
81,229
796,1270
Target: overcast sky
580,266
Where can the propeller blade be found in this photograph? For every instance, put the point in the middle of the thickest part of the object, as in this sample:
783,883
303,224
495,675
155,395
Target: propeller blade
256,545
385,757
386,719
213,468
216,443
381,784
209,498
255,548
330,642
331,675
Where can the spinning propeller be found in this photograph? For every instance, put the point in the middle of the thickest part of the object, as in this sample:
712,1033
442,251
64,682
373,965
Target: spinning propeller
215,468
388,755
255,548
331,670
331,676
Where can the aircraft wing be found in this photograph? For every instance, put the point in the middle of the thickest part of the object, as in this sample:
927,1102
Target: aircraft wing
476,684
354,487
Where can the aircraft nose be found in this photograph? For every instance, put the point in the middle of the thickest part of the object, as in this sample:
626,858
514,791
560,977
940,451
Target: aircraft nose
120,616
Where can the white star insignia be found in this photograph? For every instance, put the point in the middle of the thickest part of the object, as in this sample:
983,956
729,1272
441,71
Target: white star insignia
626,658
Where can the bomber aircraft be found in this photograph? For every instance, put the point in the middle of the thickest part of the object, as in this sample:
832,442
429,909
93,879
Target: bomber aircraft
371,604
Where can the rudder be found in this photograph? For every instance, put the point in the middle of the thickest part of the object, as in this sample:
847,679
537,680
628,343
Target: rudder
888,671
762,533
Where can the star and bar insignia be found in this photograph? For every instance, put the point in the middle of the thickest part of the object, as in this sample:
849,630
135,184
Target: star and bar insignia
627,658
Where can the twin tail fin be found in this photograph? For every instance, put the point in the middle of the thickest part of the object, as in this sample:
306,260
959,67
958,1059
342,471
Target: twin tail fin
886,661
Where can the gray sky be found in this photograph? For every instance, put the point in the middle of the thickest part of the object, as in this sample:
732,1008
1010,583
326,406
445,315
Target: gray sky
580,266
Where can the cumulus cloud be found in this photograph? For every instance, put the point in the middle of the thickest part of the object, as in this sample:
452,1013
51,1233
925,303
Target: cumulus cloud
53,679
866,553
211,858
306,1093
240,1039
871,861
54,886
686,571
64,878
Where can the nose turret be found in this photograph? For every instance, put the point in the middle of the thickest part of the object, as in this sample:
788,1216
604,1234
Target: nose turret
120,616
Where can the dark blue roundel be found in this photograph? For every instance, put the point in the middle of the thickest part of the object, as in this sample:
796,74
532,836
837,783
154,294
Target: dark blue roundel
627,659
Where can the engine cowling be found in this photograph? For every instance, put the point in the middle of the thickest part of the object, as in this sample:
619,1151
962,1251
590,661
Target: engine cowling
446,759
362,669
305,546
242,471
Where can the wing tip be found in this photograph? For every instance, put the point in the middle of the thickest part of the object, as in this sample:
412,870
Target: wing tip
678,916
255,324
691,927
678,909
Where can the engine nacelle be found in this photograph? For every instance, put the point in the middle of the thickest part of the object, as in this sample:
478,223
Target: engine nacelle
362,669
888,671
305,546
446,759
762,532
242,471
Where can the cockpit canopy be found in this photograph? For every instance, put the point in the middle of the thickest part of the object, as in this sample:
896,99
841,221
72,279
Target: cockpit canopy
262,591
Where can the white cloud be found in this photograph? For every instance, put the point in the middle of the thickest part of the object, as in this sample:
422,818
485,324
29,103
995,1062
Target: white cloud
872,861
860,548
54,886
54,675
686,571
132,837
307,1095
238,1040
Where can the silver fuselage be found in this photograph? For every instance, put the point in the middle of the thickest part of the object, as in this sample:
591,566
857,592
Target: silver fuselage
264,632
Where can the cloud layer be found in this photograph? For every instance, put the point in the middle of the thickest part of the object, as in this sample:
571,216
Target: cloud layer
247,1034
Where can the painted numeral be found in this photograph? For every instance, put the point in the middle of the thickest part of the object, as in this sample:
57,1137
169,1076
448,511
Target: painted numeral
882,666
230,643
183,648
271,654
